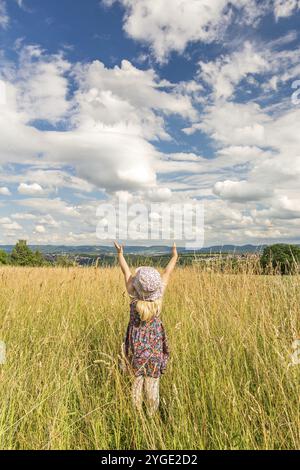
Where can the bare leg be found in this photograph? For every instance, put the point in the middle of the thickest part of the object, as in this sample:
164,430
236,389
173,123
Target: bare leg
137,392
152,394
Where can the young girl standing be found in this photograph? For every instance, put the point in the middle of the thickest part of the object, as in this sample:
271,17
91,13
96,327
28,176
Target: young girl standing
146,346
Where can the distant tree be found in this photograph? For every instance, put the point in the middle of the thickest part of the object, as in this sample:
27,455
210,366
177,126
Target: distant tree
38,259
282,258
4,258
65,261
22,255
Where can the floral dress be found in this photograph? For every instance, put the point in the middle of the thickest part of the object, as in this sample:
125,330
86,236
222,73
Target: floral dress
146,345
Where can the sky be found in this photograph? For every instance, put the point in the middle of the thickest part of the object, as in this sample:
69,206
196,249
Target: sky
149,101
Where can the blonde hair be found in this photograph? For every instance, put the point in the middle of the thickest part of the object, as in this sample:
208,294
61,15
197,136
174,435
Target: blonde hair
148,309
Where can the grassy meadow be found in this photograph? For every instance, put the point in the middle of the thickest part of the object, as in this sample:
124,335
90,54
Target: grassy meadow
229,383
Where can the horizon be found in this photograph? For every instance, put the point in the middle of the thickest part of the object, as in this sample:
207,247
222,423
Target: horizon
102,103
125,245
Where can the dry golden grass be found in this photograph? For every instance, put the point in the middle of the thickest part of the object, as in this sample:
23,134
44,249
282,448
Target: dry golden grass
229,384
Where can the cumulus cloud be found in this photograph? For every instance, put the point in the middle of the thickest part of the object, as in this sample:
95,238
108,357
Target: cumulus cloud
248,64
254,176
159,194
115,118
14,123
48,220
109,158
23,216
233,123
226,72
259,156
4,220
171,26
40,229
4,191
50,179
7,224
128,98
240,191
21,4
114,113
284,8
30,189
42,85
4,19
46,206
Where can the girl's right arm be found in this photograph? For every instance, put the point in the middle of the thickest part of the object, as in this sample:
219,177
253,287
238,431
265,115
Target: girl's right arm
125,269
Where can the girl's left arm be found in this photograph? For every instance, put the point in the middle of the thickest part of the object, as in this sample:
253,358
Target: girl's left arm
125,268
171,265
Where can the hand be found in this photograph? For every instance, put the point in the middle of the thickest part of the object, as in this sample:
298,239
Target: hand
174,250
119,248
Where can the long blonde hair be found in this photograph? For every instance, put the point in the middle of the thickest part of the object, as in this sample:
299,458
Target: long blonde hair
148,309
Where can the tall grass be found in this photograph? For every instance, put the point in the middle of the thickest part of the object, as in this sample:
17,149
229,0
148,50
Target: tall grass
229,384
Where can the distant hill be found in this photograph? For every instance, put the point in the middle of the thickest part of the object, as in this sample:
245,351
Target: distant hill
233,249
142,250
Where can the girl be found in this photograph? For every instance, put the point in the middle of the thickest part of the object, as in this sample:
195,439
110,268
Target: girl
146,347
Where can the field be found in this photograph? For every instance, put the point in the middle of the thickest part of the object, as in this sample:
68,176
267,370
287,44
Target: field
229,384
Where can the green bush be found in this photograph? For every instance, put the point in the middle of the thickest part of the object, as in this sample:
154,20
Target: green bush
22,255
281,258
4,258
65,261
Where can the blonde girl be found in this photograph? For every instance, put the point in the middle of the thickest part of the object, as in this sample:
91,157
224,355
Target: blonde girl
146,346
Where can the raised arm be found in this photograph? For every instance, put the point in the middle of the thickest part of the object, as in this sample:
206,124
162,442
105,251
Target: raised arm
125,268
171,265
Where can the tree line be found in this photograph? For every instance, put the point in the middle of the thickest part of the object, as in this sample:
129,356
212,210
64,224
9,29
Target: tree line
278,259
22,255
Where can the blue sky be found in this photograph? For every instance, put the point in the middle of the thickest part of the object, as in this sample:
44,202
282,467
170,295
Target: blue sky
151,102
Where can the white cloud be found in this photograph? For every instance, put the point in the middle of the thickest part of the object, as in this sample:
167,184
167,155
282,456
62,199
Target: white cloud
7,224
4,19
23,216
226,72
250,186
129,99
283,208
12,226
13,123
159,194
49,221
108,158
111,157
49,179
271,62
46,206
30,189
240,191
233,123
171,26
284,8
20,3
4,220
261,185
4,191
42,85
114,113
40,229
